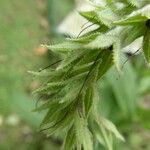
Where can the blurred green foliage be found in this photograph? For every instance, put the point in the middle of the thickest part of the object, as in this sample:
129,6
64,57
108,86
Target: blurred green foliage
20,35
123,101
22,30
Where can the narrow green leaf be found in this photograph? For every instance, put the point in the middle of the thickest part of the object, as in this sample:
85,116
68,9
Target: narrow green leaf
111,127
71,95
60,124
82,133
106,62
107,17
88,100
70,140
86,38
90,15
48,104
72,58
117,55
139,16
63,47
102,41
132,20
105,134
129,34
98,135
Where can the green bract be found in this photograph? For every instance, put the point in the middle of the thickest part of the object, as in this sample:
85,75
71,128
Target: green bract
71,93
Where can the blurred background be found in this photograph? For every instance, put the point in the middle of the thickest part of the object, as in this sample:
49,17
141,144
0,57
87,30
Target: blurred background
24,26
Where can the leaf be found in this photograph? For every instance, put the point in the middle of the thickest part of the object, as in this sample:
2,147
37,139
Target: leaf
86,38
89,57
106,63
103,17
63,47
139,16
131,20
72,58
146,45
111,127
48,104
90,15
104,134
88,100
98,135
60,124
107,17
104,130
117,55
52,113
82,133
52,86
71,95
44,90
70,139
129,34
80,69
57,121
90,94
102,41
50,73
94,70
134,2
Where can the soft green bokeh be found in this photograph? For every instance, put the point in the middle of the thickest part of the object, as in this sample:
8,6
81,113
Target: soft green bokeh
20,35
23,28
